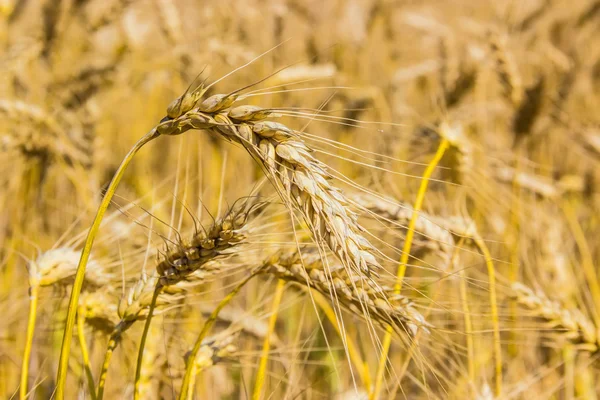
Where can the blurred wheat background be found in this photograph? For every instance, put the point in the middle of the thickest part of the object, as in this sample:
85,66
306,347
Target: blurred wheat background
352,199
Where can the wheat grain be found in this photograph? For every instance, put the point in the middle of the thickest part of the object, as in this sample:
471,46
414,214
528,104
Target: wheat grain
135,306
218,240
216,349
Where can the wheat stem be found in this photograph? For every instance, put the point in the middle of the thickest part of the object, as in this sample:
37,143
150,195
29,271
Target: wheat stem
264,356
65,349
568,355
140,358
494,309
113,341
189,379
468,326
387,340
33,301
85,354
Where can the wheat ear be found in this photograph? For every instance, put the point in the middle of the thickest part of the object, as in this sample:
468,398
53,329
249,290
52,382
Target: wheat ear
382,304
574,326
218,241
301,180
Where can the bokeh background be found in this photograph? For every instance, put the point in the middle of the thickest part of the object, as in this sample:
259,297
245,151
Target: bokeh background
512,85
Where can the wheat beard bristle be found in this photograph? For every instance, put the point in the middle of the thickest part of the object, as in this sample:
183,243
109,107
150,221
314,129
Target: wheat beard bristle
437,239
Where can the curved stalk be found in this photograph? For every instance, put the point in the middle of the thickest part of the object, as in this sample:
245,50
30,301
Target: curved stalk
387,340
138,368
113,341
189,379
264,356
494,309
33,296
65,349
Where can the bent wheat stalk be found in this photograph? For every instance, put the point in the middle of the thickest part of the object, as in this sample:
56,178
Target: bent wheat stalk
65,349
387,340
189,379
264,356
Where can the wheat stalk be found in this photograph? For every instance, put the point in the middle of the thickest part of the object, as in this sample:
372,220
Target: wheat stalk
134,307
189,379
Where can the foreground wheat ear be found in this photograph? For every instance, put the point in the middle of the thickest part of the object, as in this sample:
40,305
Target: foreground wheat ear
302,182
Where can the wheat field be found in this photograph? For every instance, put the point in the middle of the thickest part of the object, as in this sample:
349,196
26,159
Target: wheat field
300,199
